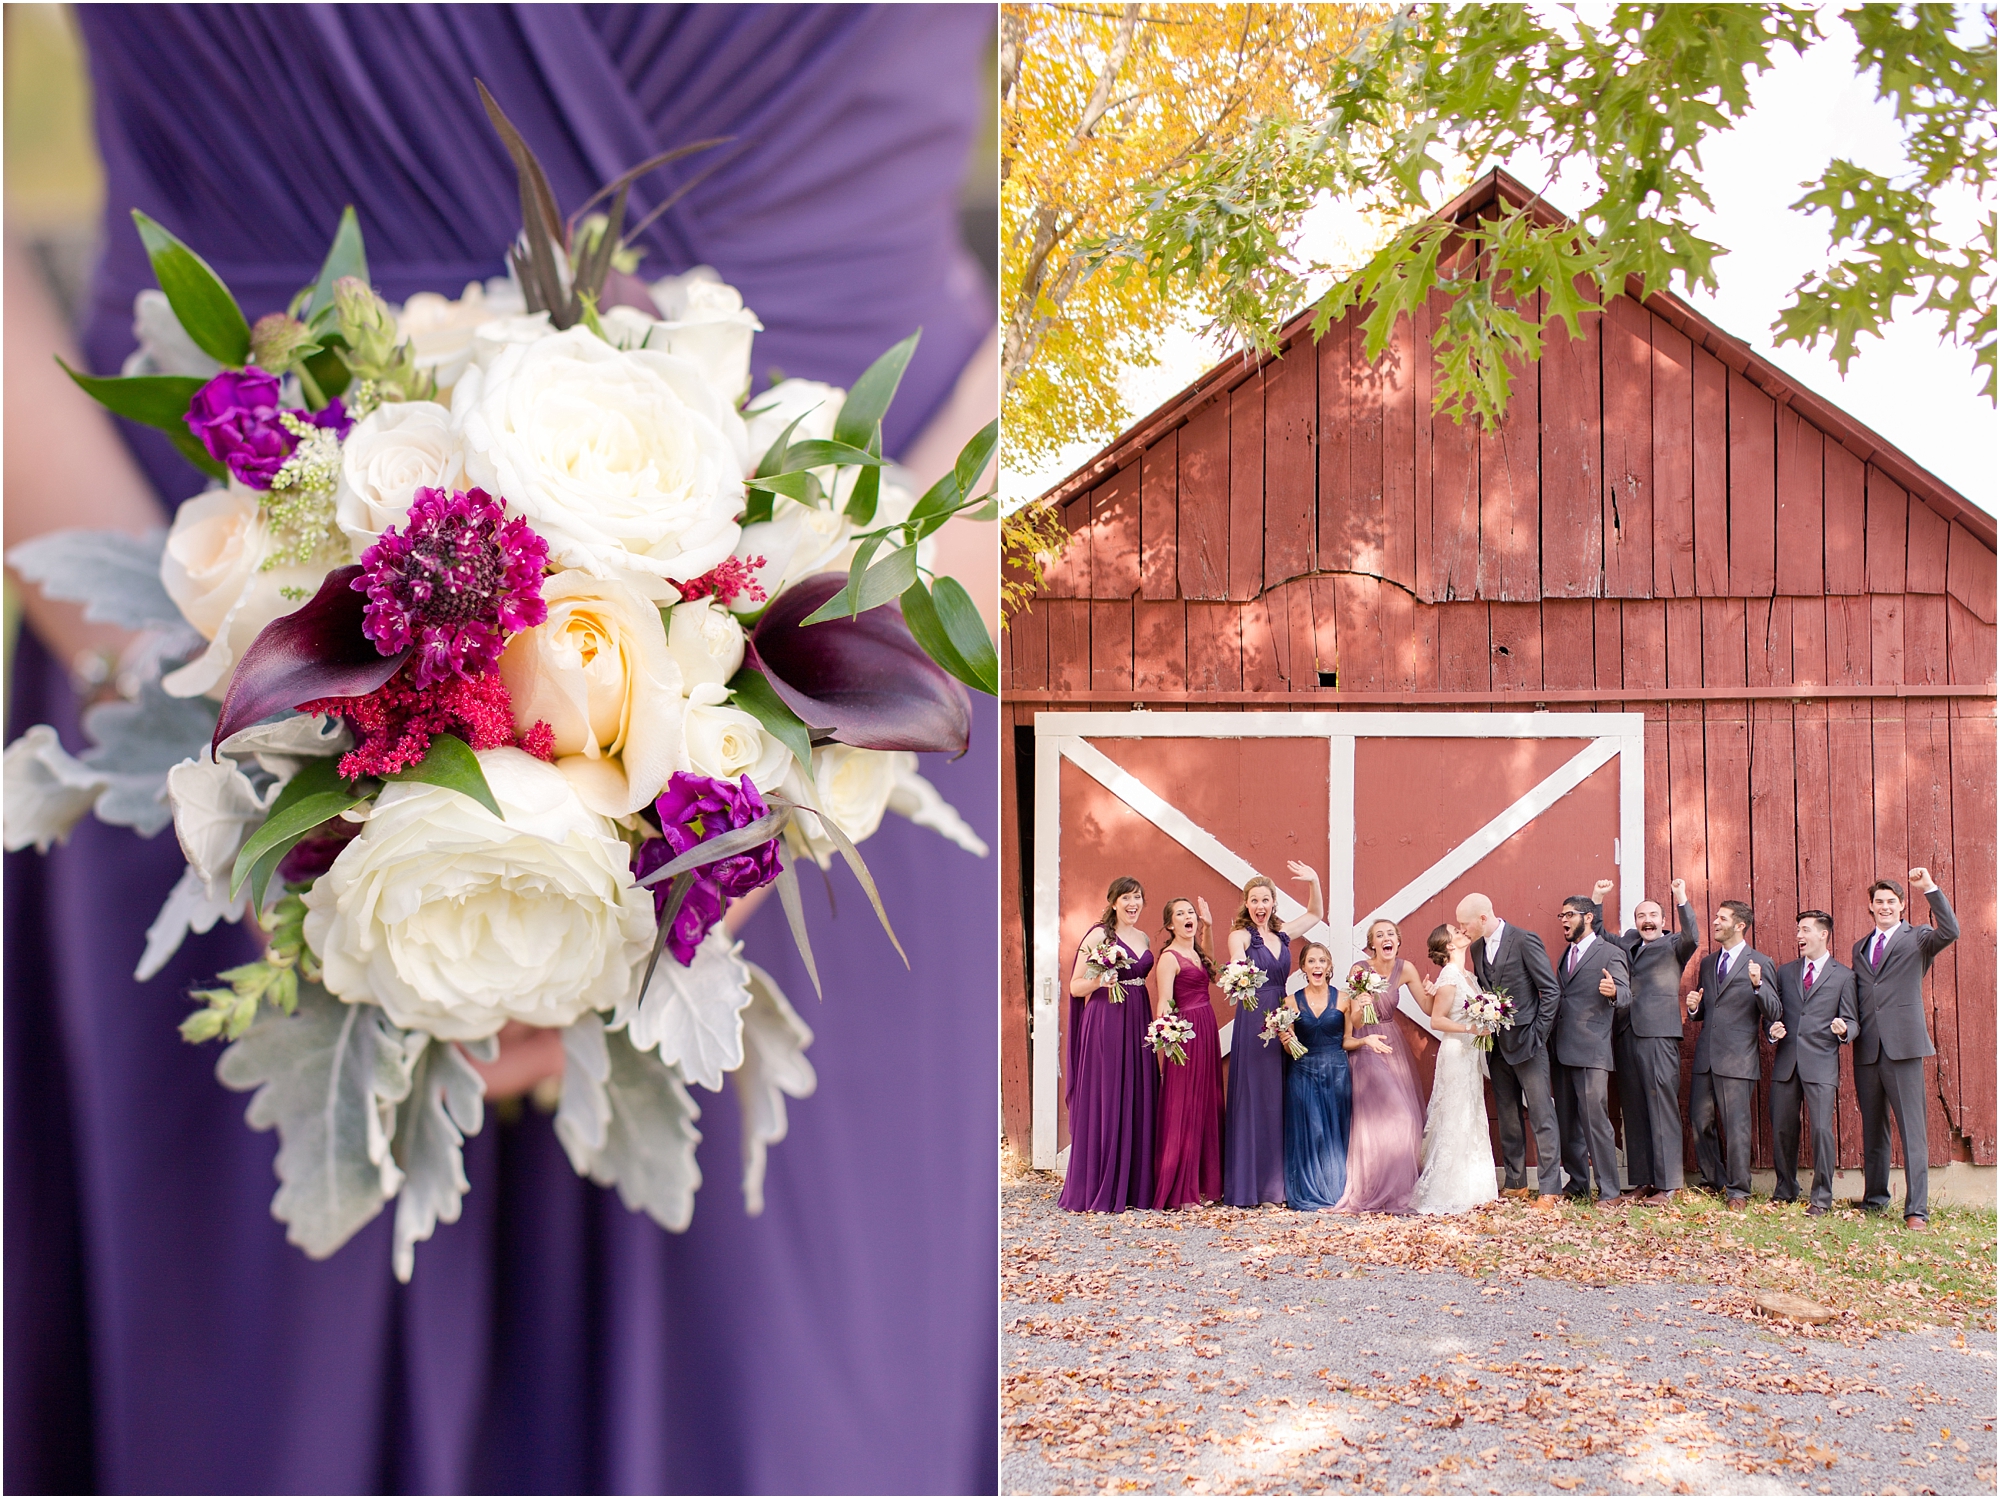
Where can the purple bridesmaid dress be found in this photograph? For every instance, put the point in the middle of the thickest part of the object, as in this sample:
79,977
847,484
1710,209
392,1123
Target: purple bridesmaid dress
1387,1133
1253,1134
160,1335
1187,1165
1113,1084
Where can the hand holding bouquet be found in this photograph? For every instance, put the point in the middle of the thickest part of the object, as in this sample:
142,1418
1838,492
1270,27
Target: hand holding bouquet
1488,1013
1240,982
1107,958
1169,1036
1278,1026
1364,984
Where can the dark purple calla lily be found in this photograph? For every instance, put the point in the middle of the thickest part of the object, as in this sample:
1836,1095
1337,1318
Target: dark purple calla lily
316,651
866,680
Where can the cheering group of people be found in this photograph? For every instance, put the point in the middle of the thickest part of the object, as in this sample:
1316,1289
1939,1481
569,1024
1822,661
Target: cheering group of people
1332,1118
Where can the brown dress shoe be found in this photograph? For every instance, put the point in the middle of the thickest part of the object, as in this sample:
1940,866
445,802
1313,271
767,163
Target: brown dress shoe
1739,1204
1815,1211
1548,1200
1517,1191
1615,1202
1915,1224
1659,1200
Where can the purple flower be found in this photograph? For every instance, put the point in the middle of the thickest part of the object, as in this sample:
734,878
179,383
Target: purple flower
692,810
236,417
454,583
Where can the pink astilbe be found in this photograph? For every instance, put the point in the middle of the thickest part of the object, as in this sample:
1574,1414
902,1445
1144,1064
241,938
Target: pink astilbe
396,722
731,576
455,582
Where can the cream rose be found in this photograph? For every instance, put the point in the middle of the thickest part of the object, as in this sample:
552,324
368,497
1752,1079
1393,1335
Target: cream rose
796,542
703,318
728,743
456,922
213,571
816,406
393,452
440,331
598,672
852,786
706,642
627,461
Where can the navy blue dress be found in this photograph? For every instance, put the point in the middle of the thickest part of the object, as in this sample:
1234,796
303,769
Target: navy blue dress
1319,1103
1253,1130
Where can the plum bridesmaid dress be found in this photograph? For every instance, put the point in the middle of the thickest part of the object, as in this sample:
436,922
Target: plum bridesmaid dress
1319,1102
1253,1133
1387,1134
1112,1091
1188,1163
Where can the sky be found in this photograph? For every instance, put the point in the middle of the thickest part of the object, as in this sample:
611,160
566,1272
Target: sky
1917,392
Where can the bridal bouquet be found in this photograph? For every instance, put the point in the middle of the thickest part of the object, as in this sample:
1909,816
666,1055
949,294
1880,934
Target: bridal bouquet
1278,1026
1107,958
1240,982
1364,984
1489,1013
1169,1036
511,643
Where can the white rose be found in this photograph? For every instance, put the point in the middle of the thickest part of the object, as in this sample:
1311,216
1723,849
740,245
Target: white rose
393,452
728,743
817,407
796,542
852,786
628,462
456,922
704,319
215,811
706,641
213,571
440,331
598,672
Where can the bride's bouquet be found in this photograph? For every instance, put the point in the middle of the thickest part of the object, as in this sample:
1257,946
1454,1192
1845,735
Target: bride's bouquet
1364,984
1107,958
1278,1026
1489,1013
513,640
1169,1036
1240,982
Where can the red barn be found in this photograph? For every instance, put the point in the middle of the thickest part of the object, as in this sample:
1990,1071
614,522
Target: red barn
1673,617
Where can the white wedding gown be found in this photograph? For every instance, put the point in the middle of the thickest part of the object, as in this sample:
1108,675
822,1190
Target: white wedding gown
1457,1153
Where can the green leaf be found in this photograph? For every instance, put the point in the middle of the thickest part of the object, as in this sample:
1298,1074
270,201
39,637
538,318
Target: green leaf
867,485
329,372
199,299
288,823
972,658
870,396
156,400
921,615
886,580
773,461
751,691
974,456
802,487
815,453
450,763
344,257
841,603
757,505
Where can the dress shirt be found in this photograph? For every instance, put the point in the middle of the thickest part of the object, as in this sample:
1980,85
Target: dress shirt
1576,951
1493,941
1735,956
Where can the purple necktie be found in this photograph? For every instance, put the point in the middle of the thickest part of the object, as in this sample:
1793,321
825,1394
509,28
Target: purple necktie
1574,954
1721,969
1809,978
1875,958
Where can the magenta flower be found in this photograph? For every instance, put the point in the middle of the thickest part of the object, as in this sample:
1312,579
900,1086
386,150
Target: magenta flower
236,417
692,810
454,583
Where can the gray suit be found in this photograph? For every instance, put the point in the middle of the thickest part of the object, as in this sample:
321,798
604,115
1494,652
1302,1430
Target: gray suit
1646,1053
1519,1062
1806,1070
1582,1054
1889,1056
1726,1064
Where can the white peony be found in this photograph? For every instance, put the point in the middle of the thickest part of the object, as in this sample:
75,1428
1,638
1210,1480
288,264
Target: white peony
816,405
703,318
796,542
728,743
628,462
852,786
440,331
598,672
213,571
706,642
393,452
456,922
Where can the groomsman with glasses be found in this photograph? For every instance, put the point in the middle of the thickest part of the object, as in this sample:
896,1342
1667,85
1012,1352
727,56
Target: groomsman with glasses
1733,1004
1646,1041
1820,1017
1889,968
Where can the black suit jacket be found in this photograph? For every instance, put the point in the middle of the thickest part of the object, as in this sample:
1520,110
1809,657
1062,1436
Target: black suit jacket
1892,997
1583,1016
1521,967
1730,1018
1810,1047
1657,966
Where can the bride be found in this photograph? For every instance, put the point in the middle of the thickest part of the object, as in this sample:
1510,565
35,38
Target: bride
1457,1170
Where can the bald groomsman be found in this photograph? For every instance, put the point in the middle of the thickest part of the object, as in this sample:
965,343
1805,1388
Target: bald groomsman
1889,968
1820,1018
1738,997
1646,1041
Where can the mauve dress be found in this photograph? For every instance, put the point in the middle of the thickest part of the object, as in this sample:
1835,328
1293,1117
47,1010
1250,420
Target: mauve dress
1387,1134
1253,1130
160,1335
1187,1162
1319,1104
1113,1087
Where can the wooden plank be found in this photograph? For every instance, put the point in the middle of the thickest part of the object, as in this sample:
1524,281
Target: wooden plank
1110,648
1069,645
1973,827
1774,833
1159,631
1815,812
1426,647
1303,649
1927,744
1068,576
1801,507
1422,446
1204,503
1885,637
1687,782
1849,645
1402,660
1290,390
1659,811
1215,647
1114,525
1809,642
1016,1081
1753,472
1892,815
1768,641
1325,624
1159,511
1969,645
1627,354
1366,522
1363,664
1607,617
1454,516
1512,537
1569,644
1673,461
1844,480
1888,543
1246,489
1336,428
1851,829
1926,657
1397,373
1970,572
1465,655
1517,645
1264,651
1642,658
1930,539
1711,475
1723,655
1028,647
1573,500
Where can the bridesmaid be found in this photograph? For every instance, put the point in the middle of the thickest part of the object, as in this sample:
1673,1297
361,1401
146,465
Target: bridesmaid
1318,1091
1187,1166
1253,1144
1112,1079
1388,1130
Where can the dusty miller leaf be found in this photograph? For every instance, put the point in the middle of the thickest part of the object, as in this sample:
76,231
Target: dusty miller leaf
446,1107
627,1120
135,744
114,576
774,1067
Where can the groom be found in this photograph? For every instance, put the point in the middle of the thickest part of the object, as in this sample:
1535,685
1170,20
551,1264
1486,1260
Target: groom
1506,957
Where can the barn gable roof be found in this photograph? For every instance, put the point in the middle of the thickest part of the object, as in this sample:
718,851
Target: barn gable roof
1498,186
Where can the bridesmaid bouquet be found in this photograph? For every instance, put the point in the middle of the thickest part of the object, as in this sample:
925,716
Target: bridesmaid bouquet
1278,1027
1169,1036
1107,958
512,640
1240,982
1364,984
1489,1013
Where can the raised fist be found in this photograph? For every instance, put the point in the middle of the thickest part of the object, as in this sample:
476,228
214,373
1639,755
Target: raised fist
1601,889
1694,1000
1606,985
1756,974
1680,890
1921,881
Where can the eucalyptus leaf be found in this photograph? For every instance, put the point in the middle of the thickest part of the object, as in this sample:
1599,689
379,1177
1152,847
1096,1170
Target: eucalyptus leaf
446,1107
751,691
450,763
199,299
869,397
114,576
